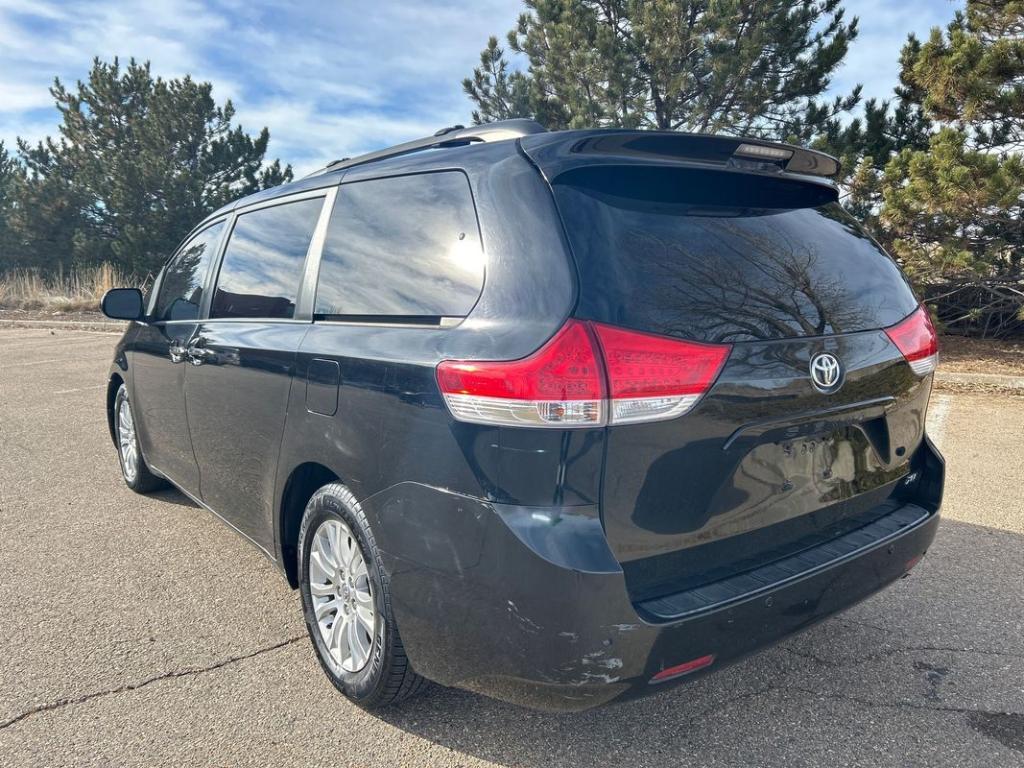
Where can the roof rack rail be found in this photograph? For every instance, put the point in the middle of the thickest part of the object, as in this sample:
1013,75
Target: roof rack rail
454,136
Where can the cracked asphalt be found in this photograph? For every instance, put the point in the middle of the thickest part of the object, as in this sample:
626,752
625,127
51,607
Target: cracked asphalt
141,631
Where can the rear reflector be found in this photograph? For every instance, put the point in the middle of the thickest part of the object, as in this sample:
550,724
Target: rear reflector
587,375
916,339
683,669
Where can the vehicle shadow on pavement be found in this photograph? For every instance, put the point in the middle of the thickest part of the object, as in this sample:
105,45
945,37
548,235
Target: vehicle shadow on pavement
936,658
174,496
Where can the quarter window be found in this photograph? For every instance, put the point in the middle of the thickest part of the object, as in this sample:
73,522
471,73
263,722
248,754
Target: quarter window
405,246
181,288
262,266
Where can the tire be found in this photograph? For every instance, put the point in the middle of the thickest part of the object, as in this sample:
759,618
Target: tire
385,677
134,470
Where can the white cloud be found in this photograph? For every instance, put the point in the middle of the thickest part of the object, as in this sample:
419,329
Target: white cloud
328,79
21,97
873,59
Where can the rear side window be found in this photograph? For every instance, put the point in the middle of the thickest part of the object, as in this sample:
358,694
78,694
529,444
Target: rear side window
405,246
720,257
181,288
262,266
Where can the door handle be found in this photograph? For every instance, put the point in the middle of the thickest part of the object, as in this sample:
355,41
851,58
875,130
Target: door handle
199,354
177,351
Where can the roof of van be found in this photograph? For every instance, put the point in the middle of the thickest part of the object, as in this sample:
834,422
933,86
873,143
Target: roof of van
555,152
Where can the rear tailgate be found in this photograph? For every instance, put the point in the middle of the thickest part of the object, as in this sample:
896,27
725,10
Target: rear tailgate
765,465
768,462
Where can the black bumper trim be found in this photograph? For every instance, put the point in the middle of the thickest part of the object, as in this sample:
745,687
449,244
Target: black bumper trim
768,577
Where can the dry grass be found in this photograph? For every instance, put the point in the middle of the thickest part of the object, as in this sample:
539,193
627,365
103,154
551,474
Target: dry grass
958,354
78,290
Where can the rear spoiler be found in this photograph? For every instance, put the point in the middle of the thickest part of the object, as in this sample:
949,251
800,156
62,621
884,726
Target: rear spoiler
557,152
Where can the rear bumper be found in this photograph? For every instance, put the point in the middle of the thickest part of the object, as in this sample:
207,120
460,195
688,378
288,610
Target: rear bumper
528,606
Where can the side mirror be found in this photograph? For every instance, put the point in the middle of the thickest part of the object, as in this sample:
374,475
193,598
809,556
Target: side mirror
123,304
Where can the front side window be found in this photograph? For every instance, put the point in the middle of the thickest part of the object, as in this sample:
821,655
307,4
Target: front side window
405,246
263,262
181,288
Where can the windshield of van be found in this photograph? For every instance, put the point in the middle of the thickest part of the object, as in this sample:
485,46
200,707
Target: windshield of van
723,257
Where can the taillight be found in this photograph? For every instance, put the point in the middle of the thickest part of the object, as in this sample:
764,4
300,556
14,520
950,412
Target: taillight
916,339
559,385
587,375
654,377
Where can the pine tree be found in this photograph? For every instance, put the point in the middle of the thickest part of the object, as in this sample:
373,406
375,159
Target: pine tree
10,176
138,162
754,67
954,209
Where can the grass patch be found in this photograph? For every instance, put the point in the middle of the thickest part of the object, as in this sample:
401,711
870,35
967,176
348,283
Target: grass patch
76,290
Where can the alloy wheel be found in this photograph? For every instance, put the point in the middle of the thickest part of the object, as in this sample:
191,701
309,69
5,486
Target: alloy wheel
126,438
342,595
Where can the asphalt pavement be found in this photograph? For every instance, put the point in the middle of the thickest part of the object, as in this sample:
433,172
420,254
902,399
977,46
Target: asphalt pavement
141,631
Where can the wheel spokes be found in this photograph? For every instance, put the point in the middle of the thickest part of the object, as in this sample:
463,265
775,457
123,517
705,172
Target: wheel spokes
321,568
321,590
324,608
359,643
126,440
365,617
342,595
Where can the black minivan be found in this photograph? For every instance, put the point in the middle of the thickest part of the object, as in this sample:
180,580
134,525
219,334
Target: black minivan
559,417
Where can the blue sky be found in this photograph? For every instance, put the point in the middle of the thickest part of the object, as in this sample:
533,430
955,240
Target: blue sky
328,79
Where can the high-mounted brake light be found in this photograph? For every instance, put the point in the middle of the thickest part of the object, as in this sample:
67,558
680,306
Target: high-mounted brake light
587,375
768,153
916,339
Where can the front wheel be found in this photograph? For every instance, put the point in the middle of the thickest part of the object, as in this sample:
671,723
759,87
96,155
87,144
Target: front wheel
133,466
347,603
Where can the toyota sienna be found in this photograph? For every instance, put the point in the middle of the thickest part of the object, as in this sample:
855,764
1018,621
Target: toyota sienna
559,417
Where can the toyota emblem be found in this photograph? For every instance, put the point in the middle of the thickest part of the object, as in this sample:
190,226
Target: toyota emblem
826,372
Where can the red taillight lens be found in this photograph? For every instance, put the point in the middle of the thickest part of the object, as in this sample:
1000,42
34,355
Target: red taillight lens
563,383
916,339
653,377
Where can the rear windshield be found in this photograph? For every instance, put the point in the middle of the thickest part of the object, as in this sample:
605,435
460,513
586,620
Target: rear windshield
721,257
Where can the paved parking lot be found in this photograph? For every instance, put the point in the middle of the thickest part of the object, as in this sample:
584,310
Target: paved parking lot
140,631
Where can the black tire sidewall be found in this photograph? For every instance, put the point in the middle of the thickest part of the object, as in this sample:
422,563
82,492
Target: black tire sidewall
367,685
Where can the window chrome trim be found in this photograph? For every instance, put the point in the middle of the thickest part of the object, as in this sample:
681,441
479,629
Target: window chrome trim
207,320
311,268
444,324
284,199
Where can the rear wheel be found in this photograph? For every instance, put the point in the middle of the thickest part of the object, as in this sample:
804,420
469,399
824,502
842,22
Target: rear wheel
347,603
133,466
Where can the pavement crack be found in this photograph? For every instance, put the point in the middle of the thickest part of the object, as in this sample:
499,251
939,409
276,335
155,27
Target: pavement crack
190,672
886,653
872,704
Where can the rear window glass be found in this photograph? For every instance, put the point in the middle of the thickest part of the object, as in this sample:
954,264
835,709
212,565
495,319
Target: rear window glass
722,257
403,246
262,267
